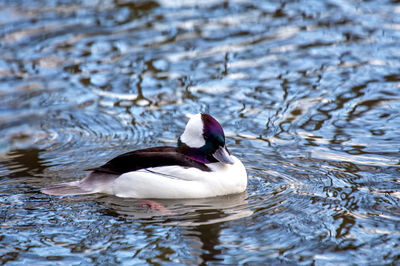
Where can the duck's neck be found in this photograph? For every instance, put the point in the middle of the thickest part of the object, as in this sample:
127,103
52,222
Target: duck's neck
197,154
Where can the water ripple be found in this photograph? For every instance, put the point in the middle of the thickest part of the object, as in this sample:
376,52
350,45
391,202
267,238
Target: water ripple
307,93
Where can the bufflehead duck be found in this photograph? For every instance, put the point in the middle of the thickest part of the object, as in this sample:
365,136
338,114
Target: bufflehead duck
199,167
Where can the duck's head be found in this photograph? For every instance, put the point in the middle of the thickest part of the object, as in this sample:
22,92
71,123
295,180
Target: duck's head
204,140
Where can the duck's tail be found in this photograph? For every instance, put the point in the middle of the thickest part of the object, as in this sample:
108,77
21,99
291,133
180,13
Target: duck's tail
70,188
93,183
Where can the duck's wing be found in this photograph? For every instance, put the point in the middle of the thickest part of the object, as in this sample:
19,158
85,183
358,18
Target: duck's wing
101,178
148,158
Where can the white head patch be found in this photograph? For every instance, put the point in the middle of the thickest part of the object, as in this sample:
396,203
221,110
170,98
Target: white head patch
193,134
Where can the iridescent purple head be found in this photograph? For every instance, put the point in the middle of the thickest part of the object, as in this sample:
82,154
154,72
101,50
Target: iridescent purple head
204,140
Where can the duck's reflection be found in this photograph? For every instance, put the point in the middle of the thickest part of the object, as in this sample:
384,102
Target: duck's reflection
184,212
200,220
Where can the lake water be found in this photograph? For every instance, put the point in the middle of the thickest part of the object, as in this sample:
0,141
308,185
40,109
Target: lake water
308,93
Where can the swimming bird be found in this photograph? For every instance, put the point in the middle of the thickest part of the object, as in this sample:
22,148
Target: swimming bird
200,166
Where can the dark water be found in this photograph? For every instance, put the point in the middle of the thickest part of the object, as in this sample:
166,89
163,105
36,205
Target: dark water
308,93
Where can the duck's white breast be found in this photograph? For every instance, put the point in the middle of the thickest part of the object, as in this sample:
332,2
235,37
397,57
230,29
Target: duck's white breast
179,182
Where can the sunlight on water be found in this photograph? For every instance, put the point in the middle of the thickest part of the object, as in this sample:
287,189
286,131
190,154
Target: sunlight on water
306,91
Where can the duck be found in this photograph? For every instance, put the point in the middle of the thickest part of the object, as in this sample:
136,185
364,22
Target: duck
199,166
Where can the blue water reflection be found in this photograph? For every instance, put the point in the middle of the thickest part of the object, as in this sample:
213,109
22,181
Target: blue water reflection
307,92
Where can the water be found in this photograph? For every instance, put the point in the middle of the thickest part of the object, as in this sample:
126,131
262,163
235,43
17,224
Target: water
308,93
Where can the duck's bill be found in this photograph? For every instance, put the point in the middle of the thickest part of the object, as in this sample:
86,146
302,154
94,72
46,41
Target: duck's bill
223,156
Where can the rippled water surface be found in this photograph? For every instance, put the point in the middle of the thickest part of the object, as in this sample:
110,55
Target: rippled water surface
308,93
